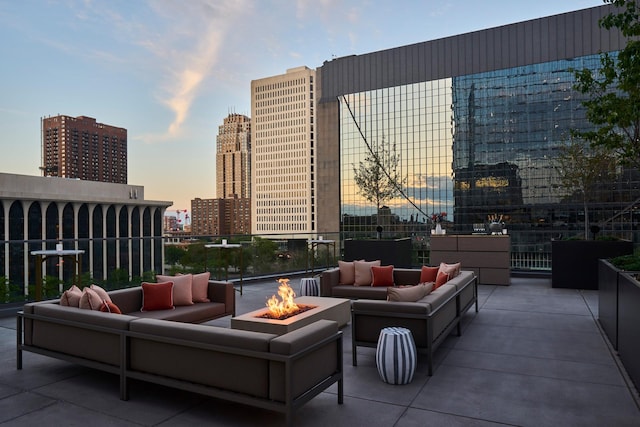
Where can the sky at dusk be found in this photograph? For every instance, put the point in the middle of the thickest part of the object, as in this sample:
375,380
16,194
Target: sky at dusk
170,71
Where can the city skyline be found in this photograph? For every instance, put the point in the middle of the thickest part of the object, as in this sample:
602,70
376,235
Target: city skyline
169,72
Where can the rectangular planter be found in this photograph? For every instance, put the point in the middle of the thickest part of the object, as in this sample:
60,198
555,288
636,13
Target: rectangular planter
618,314
608,300
629,325
574,263
396,252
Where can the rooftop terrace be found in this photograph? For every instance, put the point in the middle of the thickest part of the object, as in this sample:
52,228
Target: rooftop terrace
532,356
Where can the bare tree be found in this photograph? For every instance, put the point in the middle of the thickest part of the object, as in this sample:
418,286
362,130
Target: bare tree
581,168
377,175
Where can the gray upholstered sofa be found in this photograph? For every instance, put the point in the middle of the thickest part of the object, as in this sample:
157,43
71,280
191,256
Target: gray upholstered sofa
431,319
279,373
330,284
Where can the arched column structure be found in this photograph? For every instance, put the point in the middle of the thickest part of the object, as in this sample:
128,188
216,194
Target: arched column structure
40,221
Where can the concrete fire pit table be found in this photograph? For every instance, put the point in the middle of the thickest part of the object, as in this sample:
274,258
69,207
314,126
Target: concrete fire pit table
337,309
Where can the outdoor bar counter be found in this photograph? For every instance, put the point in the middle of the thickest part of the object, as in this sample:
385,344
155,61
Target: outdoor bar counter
488,255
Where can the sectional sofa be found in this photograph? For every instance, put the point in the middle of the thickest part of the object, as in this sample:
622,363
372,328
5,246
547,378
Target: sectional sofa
278,373
430,318
399,299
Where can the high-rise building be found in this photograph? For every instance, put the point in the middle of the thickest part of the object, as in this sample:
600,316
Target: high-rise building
282,160
233,153
78,147
477,121
230,212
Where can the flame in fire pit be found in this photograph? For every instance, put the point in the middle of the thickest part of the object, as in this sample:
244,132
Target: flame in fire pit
280,308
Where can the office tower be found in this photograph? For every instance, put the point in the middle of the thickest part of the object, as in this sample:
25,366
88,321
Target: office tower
233,152
230,212
282,160
477,120
78,147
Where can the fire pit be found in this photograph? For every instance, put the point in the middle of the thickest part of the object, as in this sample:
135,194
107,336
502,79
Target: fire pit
290,313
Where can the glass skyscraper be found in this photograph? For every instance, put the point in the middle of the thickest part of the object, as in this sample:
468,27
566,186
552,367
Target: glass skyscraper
476,122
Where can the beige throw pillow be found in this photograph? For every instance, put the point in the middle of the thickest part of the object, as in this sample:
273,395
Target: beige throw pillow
347,273
363,275
451,269
71,297
200,287
409,293
90,300
101,293
182,290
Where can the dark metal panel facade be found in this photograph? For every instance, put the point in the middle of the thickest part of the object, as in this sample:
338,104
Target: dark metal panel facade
540,40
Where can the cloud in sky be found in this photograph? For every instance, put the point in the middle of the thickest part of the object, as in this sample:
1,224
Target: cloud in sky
188,49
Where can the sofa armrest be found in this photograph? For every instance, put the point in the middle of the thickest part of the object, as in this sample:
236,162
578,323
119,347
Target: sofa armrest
328,279
390,308
314,354
223,292
128,300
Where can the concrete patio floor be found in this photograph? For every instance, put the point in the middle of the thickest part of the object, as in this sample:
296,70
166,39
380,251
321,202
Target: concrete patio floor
532,356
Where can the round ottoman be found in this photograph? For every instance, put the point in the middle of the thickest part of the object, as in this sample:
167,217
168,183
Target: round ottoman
396,355
309,287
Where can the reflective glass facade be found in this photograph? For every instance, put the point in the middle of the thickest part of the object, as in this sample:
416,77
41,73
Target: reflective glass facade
414,122
477,145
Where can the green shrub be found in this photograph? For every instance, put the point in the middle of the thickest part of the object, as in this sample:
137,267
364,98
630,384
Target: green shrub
627,262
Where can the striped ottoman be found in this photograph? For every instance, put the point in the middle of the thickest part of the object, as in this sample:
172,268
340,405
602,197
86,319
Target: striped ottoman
309,287
396,355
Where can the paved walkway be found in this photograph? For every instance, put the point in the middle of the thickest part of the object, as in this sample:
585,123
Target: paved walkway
532,356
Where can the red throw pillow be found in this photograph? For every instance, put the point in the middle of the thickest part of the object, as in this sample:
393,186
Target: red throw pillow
109,307
428,274
441,280
157,296
382,276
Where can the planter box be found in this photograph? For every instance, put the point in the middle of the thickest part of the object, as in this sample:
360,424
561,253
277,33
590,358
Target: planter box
608,300
574,263
618,314
390,252
629,325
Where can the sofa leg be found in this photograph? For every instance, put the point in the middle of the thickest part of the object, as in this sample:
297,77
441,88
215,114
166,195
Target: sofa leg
354,352
340,392
124,388
19,343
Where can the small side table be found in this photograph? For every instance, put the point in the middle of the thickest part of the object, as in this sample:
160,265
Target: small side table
310,287
396,355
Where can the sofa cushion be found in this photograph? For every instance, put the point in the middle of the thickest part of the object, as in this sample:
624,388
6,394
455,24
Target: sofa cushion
104,296
196,313
428,274
366,292
90,299
200,287
451,269
71,297
382,276
219,369
157,296
102,346
347,273
182,288
441,279
363,274
409,293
